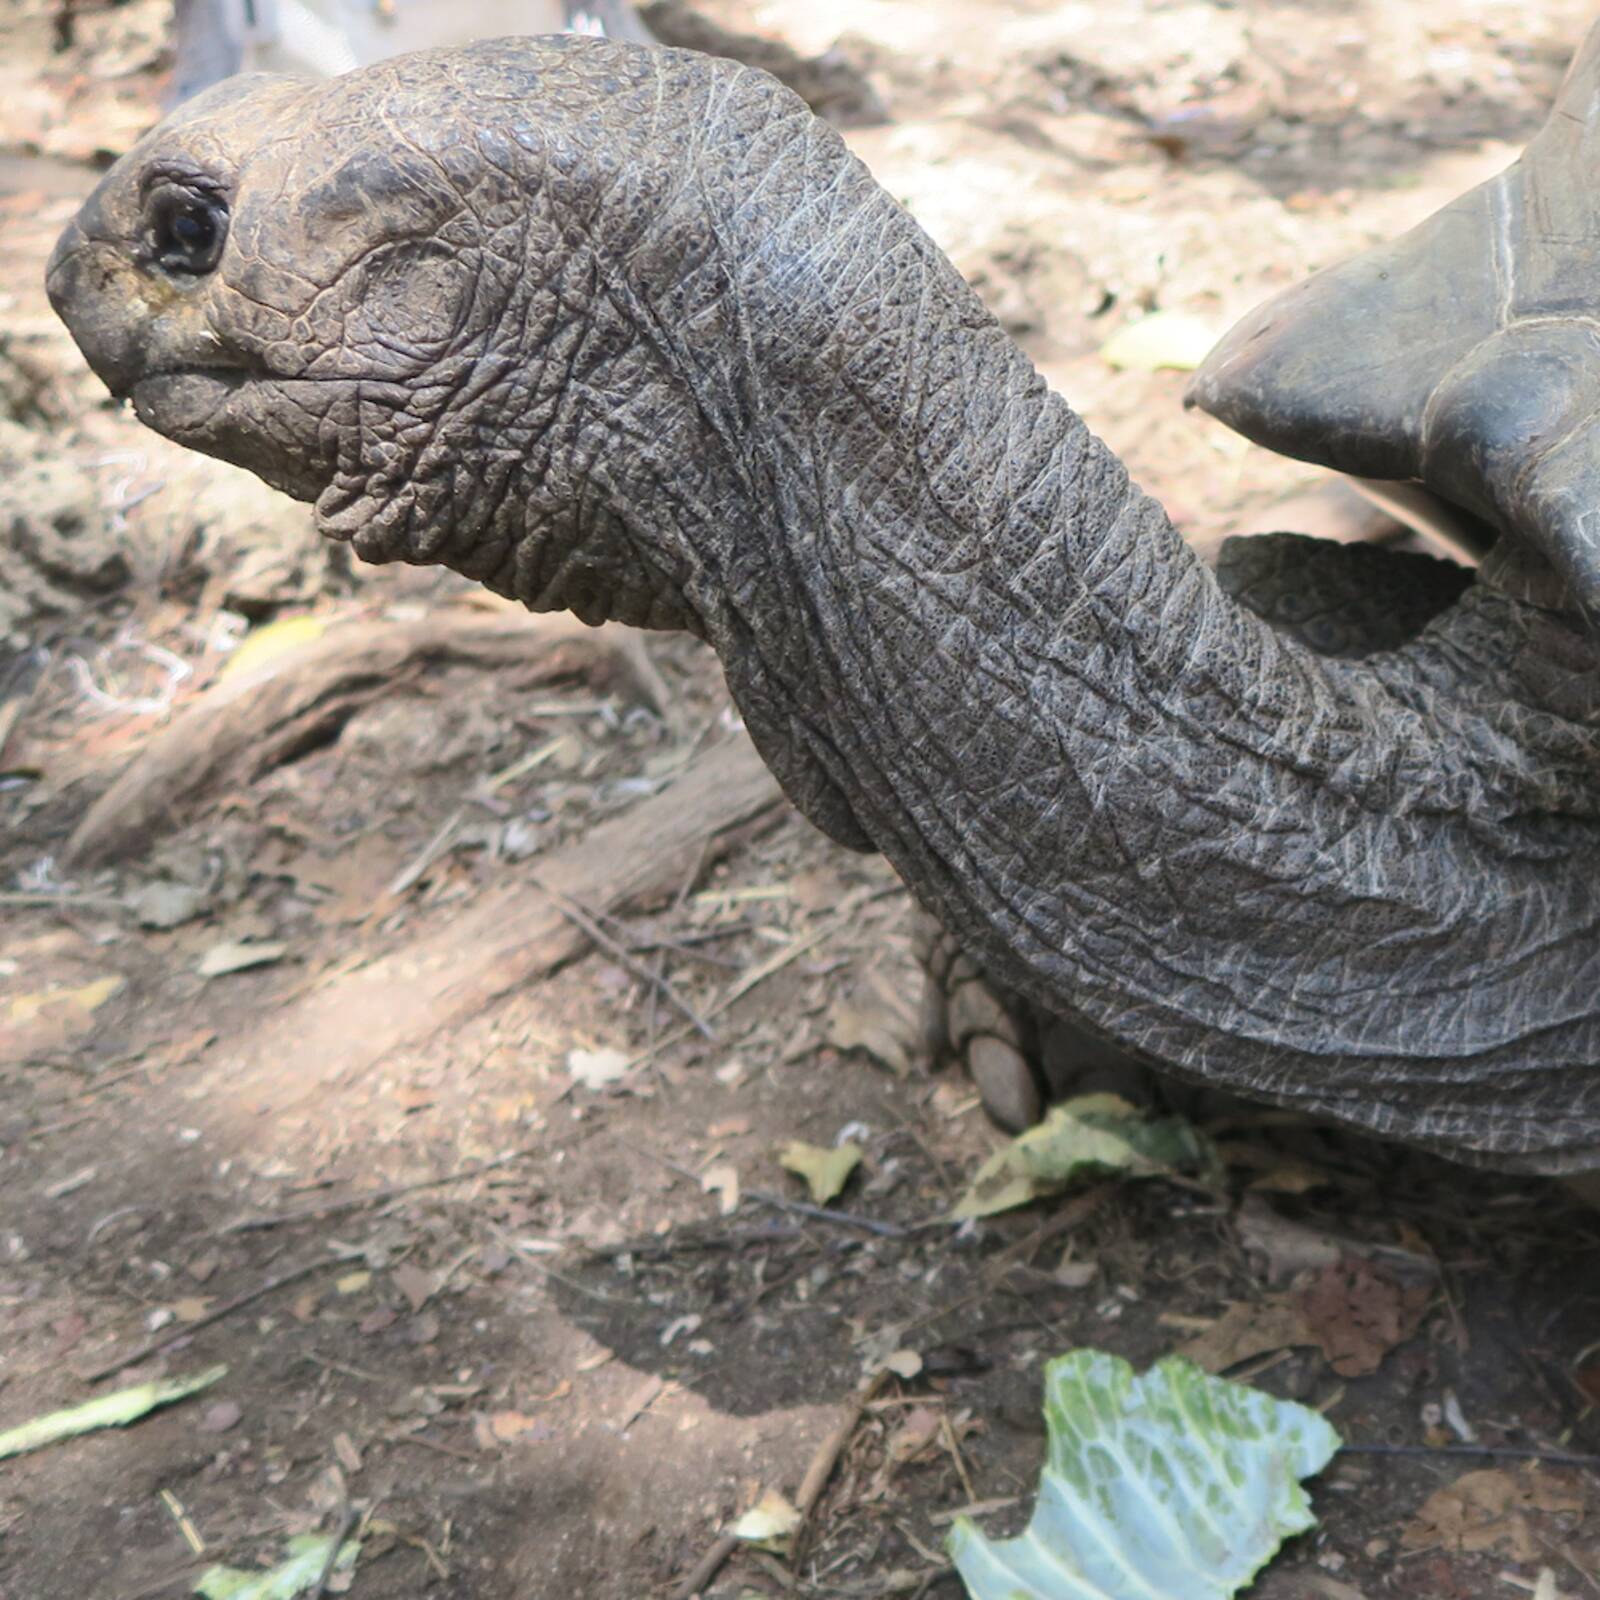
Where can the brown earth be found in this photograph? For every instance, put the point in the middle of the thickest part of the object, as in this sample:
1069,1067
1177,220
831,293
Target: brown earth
547,1340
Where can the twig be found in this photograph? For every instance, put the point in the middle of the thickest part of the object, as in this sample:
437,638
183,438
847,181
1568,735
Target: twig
706,1568
432,1444
341,1533
764,970
832,1447
815,1481
377,1197
846,1219
1499,1452
1078,1209
436,847
575,913
17,898
154,1347
191,1534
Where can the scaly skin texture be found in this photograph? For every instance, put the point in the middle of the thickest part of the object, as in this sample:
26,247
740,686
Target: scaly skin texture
632,333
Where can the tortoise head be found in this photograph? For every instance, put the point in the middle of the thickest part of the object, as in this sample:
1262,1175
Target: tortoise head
1464,355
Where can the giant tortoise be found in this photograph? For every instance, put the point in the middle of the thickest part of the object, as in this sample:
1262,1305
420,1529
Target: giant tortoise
631,333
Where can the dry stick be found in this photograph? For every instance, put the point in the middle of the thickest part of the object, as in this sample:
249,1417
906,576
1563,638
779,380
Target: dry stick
831,1448
846,1219
1500,1452
811,1487
154,1347
341,1533
576,914
378,1197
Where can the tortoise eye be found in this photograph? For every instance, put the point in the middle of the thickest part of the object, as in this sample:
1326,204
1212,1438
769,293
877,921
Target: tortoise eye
186,229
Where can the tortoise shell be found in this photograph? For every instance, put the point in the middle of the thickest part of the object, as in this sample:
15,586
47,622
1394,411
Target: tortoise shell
1465,355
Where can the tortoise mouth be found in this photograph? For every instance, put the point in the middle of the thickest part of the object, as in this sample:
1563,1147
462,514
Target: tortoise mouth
182,398
217,410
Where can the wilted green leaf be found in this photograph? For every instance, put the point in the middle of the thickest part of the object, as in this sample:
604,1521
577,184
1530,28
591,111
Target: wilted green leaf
826,1171
1094,1134
109,1411
308,1555
1176,1484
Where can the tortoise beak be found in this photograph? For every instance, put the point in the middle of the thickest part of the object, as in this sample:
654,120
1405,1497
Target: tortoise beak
1464,355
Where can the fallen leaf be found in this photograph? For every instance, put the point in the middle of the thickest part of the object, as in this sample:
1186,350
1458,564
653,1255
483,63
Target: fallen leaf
1247,1330
1358,1314
594,1069
415,1283
723,1181
344,1447
165,904
770,1522
267,645
825,1171
905,1364
1587,1378
191,1309
1172,1483
1489,1510
306,1561
1084,1137
115,1410
86,997
1289,1247
871,1028
236,955
919,1430
1171,339
508,1425
352,1282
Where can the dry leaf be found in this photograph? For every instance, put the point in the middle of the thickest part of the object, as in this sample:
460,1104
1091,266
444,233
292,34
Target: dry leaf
594,1069
905,1364
1247,1330
872,1028
1289,1247
769,1522
85,998
353,1282
345,1448
191,1309
722,1181
826,1171
235,955
269,644
919,1430
508,1425
1489,1510
415,1283
1359,1314
1171,339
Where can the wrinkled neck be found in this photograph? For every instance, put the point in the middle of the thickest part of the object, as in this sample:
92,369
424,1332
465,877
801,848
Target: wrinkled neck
962,637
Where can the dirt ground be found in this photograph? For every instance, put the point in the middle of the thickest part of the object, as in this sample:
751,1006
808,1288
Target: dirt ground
422,1047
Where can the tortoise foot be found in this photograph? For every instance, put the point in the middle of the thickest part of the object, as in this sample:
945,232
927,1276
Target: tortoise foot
1018,1056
